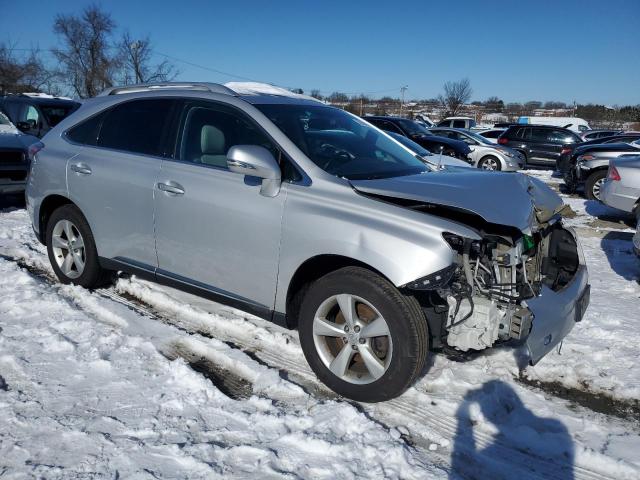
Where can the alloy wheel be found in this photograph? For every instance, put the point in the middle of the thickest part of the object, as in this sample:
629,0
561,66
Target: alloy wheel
68,248
597,187
490,164
352,339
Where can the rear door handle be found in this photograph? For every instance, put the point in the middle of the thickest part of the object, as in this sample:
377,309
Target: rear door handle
172,188
81,168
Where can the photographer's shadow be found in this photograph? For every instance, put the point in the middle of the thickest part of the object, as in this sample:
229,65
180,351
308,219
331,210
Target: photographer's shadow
517,434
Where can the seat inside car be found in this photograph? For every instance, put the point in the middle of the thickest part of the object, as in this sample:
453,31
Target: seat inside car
206,138
213,146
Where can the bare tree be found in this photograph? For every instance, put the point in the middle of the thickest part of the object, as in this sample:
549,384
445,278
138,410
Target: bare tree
27,74
315,93
86,62
136,58
456,94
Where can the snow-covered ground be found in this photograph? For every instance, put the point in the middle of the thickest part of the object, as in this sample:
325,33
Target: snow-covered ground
142,381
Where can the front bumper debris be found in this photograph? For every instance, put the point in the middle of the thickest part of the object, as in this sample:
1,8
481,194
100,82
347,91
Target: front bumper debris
555,314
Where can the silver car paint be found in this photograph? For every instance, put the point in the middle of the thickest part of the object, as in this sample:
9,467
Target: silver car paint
467,189
323,214
625,193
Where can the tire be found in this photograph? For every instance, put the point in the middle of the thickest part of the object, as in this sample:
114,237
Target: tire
490,163
524,156
67,221
593,184
400,350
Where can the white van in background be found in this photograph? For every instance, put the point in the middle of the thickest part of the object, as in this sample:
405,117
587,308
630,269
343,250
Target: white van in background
572,123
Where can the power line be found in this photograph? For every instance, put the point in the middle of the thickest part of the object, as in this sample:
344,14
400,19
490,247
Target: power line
227,74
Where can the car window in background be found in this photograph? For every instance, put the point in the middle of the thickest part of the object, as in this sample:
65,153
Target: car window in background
459,124
389,127
412,128
136,126
56,113
342,144
31,113
539,134
478,138
561,136
492,134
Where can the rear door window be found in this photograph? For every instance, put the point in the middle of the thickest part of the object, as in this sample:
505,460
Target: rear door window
459,124
561,136
139,126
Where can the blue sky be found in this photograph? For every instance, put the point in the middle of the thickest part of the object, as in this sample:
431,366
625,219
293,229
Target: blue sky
587,51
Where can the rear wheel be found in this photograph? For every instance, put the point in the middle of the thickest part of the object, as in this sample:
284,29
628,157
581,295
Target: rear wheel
594,183
490,163
72,250
362,337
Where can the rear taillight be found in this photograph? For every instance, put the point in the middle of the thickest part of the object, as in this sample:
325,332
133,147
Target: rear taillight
613,174
33,149
502,141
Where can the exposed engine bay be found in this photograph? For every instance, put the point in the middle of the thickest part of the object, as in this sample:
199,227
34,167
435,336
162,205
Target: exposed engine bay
486,298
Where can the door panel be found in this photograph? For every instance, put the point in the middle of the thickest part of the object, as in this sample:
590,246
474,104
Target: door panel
213,227
220,234
115,192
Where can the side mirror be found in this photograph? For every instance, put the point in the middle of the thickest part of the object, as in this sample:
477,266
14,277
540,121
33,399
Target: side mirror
256,161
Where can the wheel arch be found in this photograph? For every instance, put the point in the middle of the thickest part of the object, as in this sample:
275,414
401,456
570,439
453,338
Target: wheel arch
47,207
311,270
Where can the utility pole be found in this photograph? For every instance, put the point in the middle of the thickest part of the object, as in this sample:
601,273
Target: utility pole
402,90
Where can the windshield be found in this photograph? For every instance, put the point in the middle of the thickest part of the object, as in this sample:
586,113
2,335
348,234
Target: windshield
56,113
412,128
342,144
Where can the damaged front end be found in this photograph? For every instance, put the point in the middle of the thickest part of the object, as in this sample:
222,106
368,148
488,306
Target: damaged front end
532,287
525,279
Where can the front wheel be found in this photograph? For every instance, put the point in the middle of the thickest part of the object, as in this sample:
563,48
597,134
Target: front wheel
363,338
72,250
594,183
490,163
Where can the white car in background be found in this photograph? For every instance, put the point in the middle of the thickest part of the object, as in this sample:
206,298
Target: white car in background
484,154
492,134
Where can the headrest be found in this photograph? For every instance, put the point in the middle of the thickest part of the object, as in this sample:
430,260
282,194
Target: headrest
212,141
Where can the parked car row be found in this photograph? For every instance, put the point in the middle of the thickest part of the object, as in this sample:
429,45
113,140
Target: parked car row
355,240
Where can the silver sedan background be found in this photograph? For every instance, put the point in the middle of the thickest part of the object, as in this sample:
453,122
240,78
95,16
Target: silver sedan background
484,154
621,190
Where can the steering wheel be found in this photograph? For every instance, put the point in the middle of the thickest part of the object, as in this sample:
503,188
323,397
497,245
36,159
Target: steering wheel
335,154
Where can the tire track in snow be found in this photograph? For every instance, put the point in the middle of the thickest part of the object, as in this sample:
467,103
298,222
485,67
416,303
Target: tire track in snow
397,413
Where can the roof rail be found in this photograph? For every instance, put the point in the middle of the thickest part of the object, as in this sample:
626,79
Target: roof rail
150,87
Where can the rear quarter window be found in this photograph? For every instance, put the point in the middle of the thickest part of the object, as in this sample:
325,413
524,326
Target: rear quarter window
86,133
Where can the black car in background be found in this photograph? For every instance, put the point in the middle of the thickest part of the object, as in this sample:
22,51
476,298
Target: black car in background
36,114
567,156
16,150
422,136
540,144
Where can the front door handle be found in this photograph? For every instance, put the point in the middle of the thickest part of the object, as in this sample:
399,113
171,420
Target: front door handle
81,168
172,188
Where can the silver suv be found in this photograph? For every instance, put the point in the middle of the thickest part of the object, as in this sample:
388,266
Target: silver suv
308,216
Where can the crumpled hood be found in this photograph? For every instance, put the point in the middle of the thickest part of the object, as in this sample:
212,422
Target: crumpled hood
511,199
